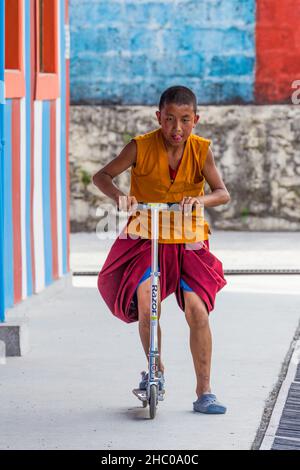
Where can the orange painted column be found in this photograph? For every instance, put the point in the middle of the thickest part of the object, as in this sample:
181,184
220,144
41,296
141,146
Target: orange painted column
53,177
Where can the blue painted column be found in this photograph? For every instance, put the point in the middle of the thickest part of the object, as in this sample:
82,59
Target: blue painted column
2,98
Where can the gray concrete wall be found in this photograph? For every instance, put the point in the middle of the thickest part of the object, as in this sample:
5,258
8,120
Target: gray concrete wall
256,148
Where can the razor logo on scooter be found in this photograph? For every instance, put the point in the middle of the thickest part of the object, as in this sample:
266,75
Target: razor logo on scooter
154,303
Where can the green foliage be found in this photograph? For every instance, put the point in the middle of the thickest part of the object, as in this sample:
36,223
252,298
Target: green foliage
127,138
245,212
85,177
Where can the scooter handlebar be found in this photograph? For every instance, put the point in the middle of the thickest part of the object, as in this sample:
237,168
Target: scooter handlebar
159,205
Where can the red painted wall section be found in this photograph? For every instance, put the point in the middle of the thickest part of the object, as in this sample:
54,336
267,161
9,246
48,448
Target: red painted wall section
16,200
277,50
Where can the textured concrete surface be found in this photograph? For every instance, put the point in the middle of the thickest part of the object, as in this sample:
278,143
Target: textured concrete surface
73,390
256,150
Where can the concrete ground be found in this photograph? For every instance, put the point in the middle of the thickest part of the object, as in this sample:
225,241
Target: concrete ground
237,250
73,389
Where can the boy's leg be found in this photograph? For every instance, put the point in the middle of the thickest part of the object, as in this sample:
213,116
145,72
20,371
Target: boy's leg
200,339
143,296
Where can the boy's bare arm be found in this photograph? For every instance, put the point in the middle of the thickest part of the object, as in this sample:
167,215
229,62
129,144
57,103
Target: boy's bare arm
219,194
103,179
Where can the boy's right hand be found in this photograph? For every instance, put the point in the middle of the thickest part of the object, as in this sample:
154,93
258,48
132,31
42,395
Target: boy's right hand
127,203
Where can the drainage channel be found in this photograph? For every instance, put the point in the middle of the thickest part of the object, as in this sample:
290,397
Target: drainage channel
281,430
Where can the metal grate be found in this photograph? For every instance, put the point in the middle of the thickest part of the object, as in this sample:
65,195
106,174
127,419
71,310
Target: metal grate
262,271
297,376
288,432
285,444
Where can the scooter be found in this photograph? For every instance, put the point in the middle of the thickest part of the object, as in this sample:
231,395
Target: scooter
152,395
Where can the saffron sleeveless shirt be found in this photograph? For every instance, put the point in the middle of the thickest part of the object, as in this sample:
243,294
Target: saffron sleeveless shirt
151,182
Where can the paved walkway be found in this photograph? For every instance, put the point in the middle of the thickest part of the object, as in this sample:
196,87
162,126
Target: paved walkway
73,390
237,250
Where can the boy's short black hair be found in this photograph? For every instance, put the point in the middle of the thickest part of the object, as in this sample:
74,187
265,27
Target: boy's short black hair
178,95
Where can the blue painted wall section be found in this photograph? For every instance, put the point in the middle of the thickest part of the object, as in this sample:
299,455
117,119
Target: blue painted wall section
129,51
8,210
46,193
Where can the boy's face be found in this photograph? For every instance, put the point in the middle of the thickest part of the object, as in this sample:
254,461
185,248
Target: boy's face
177,122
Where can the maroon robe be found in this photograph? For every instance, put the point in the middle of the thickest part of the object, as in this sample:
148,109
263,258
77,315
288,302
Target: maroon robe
128,260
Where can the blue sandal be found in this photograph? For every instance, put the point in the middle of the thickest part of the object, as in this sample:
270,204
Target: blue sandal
208,403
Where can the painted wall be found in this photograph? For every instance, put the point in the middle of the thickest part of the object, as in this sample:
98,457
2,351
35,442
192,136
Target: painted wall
228,51
34,170
128,51
278,49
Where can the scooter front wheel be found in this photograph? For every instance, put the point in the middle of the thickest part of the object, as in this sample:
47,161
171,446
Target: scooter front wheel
153,400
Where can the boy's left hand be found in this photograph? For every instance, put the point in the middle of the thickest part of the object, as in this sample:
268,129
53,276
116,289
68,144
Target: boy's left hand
188,202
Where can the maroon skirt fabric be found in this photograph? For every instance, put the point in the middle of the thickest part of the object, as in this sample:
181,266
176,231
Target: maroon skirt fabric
128,260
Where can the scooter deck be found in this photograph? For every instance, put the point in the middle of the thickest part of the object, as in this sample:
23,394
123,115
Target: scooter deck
142,394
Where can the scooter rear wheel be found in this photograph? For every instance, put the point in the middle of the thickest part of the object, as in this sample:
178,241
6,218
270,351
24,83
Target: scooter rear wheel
153,401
